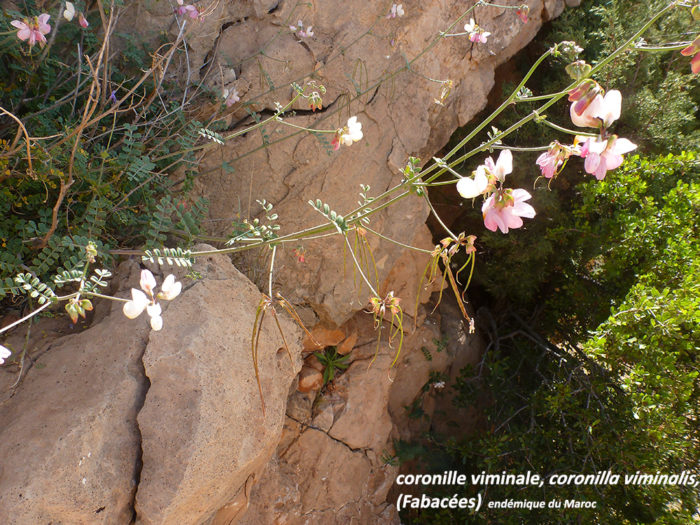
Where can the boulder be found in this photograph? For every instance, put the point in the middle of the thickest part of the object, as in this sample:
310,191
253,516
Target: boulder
69,442
204,431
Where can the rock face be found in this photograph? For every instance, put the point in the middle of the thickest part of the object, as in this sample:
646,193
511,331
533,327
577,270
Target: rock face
202,424
334,462
119,423
76,443
373,67
68,438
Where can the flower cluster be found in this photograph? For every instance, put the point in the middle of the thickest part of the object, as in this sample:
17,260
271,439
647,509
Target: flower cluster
476,33
380,306
300,31
503,208
591,109
187,10
352,132
396,10
33,30
141,301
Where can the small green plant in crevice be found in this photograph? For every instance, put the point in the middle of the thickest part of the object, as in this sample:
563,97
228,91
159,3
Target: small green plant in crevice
390,459
332,362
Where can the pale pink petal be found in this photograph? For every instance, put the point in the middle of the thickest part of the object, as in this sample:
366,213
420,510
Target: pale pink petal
43,26
602,169
511,219
493,221
610,109
612,160
148,282
521,195
24,34
504,165
523,209
622,146
592,162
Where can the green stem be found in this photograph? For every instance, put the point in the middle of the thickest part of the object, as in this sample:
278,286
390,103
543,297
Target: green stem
395,241
359,268
566,130
454,237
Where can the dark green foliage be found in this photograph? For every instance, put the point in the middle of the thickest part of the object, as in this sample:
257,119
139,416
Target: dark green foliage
332,362
126,179
591,310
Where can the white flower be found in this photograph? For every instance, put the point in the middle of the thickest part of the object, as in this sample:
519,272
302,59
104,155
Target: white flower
352,132
140,301
602,110
170,289
502,167
69,13
470,188
396,10
4,354
439,385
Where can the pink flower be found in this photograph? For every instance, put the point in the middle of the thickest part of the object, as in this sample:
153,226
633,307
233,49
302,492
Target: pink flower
503,210
82,21
300,31
604,155
476,33
33,30
694,51
188,10
502,167
231,96
551,160
583,95
602,111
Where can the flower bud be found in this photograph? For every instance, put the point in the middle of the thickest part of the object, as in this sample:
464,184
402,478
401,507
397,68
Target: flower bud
578,70
584,94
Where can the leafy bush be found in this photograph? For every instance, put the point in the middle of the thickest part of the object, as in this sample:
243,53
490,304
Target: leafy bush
97,156
626,398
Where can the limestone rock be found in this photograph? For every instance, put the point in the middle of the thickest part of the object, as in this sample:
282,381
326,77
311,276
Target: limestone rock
69,442
310,379
203,429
